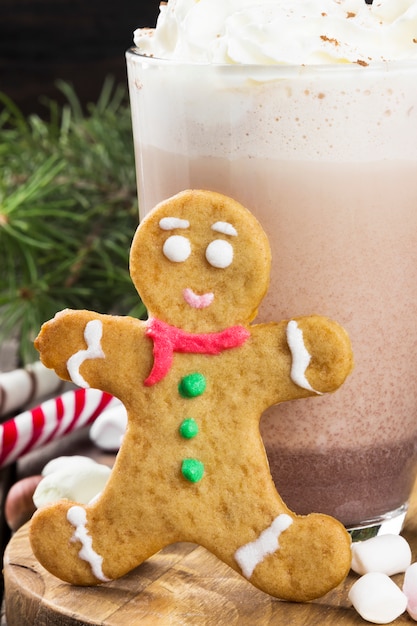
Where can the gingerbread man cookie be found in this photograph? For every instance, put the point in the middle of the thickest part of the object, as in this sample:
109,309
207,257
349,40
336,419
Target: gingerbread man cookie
195,379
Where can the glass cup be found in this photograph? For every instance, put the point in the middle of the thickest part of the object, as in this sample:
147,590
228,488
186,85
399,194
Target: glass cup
326,158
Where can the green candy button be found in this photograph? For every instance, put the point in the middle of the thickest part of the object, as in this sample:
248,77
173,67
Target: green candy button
189,428
192,385
192,470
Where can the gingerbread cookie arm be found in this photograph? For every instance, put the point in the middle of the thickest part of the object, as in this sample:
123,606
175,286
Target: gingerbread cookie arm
302,357
329,349
85,347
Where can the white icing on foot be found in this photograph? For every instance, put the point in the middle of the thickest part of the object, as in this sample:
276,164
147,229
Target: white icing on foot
300,356
253,553
92,335
78,518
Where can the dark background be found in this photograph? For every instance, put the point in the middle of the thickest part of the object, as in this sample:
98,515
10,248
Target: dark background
80,41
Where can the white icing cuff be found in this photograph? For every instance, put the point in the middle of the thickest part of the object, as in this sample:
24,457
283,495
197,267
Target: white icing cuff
253,553
300,356
92,335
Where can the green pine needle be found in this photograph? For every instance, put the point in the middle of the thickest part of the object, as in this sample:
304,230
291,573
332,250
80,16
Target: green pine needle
68,212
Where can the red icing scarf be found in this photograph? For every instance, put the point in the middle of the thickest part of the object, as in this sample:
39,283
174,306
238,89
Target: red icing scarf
169,339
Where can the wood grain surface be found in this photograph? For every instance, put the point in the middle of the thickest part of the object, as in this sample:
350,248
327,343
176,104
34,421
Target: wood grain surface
181,585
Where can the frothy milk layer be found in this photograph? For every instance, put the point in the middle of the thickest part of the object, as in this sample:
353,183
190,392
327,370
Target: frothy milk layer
192,110
282,31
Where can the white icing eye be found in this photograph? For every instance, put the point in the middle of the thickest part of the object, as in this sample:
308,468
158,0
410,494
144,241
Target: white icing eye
219,253
177,248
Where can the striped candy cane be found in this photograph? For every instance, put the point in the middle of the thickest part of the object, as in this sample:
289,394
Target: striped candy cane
24,385
51,420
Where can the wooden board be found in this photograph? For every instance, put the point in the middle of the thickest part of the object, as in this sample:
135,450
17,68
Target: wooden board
181,585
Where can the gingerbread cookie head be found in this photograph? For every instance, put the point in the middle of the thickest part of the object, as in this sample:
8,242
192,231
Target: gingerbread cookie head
201,261
195,378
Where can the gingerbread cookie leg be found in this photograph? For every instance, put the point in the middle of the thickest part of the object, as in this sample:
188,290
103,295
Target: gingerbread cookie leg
62,540
288,556
86,545
296,558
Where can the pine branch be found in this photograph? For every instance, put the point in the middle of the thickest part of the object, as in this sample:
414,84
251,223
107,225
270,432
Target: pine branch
68,211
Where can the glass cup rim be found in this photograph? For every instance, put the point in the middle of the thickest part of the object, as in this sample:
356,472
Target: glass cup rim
379,67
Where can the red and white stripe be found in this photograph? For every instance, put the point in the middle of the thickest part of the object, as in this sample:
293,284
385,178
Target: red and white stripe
25,385
51,420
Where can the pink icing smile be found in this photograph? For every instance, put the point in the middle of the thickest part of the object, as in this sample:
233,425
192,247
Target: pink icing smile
196,301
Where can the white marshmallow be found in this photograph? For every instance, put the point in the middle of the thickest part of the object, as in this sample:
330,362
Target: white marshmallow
109,428
78,480
387,554
66,462
377,598
410,590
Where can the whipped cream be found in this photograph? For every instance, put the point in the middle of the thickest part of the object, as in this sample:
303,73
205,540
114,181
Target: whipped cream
282,31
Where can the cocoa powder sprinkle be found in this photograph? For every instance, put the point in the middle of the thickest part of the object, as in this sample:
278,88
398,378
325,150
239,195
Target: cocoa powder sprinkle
329,39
